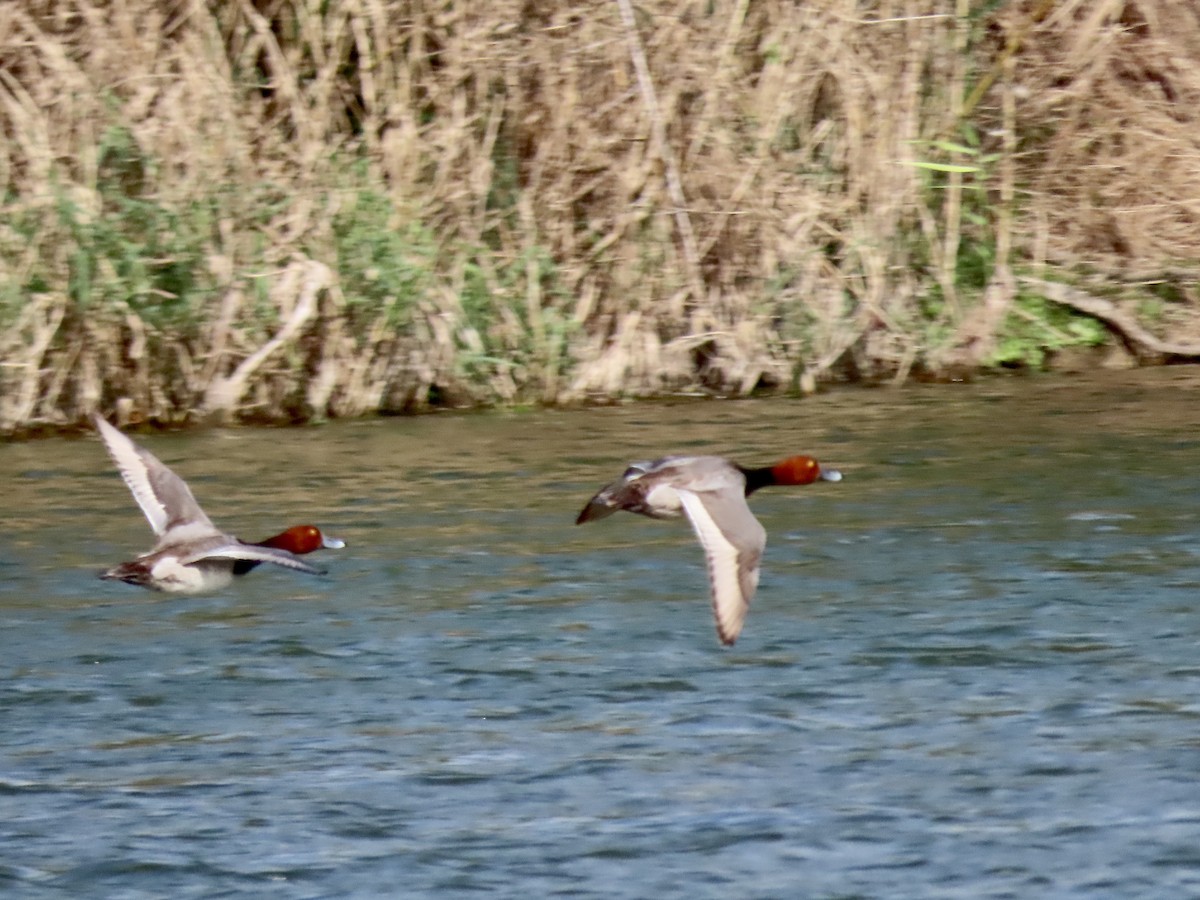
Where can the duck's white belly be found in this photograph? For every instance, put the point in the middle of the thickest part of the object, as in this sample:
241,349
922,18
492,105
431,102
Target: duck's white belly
174,577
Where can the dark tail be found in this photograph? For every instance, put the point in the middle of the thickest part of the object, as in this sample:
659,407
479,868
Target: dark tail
596,509
131,572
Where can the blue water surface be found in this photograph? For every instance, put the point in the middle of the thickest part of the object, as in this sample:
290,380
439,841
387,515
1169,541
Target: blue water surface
971,670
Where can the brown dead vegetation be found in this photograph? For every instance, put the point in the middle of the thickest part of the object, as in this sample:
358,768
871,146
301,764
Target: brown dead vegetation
585,201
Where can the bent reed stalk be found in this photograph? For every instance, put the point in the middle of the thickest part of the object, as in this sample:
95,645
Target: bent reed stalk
291,211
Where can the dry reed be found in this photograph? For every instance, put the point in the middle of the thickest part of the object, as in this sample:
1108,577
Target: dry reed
284,210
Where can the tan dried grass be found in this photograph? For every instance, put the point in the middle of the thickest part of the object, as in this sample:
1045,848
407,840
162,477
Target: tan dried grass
1116,180
624,199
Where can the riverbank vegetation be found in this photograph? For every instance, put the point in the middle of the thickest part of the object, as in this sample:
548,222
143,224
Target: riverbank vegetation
286,210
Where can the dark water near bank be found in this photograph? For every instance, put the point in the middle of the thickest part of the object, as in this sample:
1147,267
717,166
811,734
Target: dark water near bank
972,670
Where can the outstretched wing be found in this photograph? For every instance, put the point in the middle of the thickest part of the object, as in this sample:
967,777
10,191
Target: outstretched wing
163,496
734,549
239,551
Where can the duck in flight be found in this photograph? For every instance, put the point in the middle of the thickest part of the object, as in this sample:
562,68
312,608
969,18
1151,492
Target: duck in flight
192,556
711,491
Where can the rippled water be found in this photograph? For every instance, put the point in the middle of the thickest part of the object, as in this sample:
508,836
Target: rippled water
972,668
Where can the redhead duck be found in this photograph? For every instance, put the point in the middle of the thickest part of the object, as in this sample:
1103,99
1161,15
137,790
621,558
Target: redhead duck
712,491
191,555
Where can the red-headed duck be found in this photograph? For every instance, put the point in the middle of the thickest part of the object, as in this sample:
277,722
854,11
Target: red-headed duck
191,555
712,492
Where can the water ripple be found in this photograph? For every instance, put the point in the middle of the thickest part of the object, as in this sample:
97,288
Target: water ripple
970,670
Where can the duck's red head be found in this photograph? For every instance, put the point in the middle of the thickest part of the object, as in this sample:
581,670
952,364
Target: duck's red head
796,470
301,539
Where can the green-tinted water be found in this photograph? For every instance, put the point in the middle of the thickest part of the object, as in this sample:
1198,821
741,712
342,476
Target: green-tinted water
971,669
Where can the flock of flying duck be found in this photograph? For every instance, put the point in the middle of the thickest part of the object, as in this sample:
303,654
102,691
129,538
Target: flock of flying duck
193,556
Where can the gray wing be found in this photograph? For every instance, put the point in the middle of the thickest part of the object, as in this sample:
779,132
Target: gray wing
237,550
705,474
163,496
733,541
